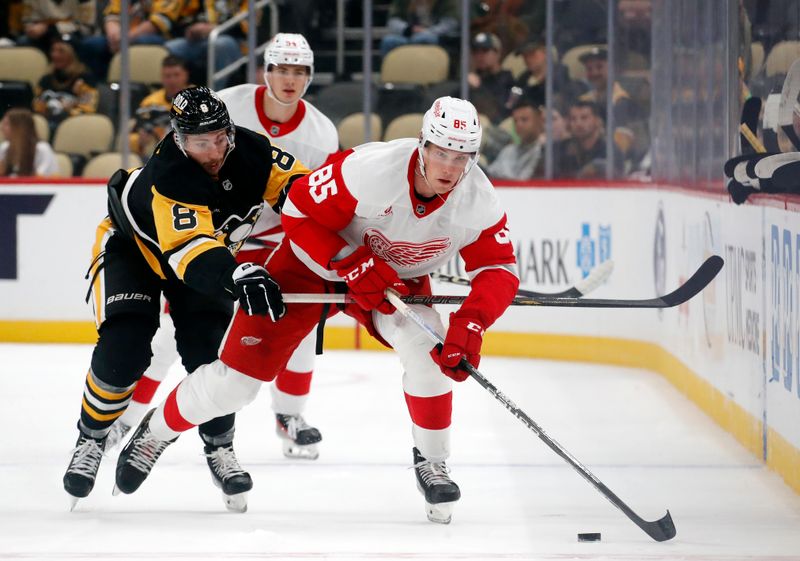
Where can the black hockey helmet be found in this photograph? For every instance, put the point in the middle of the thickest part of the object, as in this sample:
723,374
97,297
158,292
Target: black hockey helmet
198,110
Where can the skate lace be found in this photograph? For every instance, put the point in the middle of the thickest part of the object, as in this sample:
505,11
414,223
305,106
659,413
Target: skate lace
295,424
433,473
86,457
146,450
224,462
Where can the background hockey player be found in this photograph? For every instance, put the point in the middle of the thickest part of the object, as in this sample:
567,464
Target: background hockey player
278,111
176,225
383,216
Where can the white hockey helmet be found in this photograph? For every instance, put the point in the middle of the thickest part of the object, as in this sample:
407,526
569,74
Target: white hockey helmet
289,48
452,123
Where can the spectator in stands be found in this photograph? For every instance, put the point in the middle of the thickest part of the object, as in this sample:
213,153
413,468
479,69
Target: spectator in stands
152,116
10,22
583,155
152,22
525,159
512,21
192,44
68,89
419,21
46,20
21,153
533,81
489,84
596,63
560,128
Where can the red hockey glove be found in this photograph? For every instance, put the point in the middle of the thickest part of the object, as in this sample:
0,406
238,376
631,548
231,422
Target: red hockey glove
463,340
368,276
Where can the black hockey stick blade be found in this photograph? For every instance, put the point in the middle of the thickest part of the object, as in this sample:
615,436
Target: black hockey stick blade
698,281
660,530
596,277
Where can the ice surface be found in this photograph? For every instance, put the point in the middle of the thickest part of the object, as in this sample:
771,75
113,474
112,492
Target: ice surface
632,429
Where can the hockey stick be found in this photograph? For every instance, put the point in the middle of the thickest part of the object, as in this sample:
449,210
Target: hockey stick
660,530
749,124
596,277
697,282
752,139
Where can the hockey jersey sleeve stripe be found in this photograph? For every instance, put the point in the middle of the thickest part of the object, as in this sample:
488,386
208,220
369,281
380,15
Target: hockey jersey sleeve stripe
493,247
277,206
510,268
180,259
286,169
491,264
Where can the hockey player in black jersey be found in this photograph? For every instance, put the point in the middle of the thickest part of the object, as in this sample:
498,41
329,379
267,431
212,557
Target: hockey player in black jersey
174,227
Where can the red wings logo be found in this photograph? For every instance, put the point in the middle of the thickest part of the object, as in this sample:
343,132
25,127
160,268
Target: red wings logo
405,254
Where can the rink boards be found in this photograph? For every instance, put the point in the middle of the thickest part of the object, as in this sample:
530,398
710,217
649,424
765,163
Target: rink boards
734,349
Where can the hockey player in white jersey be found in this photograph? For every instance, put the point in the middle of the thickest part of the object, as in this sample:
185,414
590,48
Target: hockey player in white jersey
382,217
295,125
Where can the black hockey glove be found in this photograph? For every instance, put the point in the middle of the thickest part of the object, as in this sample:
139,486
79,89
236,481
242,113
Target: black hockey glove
257,292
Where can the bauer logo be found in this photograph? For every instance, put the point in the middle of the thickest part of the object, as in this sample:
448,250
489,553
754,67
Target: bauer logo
591,251
128,296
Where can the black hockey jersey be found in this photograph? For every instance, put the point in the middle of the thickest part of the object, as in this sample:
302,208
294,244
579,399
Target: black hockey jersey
189,224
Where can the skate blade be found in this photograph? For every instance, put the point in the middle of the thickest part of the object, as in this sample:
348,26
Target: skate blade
441,513
73,502
300,451
115,491
235,503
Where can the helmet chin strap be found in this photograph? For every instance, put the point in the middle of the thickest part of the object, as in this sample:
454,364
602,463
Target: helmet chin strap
421,173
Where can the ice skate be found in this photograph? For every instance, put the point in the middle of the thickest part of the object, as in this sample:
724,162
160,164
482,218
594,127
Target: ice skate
117,434
228,476
138,457
82,470
440,492
299,438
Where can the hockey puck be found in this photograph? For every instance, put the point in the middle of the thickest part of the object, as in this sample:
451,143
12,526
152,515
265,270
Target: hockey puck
590,537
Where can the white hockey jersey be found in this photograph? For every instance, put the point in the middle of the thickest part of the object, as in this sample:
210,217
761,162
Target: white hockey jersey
308,136
368,198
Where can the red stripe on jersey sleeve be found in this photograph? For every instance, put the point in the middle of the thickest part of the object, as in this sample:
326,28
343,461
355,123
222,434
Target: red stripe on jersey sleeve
327,207
493,247
493,288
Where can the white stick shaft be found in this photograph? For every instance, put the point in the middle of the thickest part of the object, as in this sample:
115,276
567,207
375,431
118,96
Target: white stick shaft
406,311
311,298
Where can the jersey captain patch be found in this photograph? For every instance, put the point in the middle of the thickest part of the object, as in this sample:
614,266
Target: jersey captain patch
404,254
